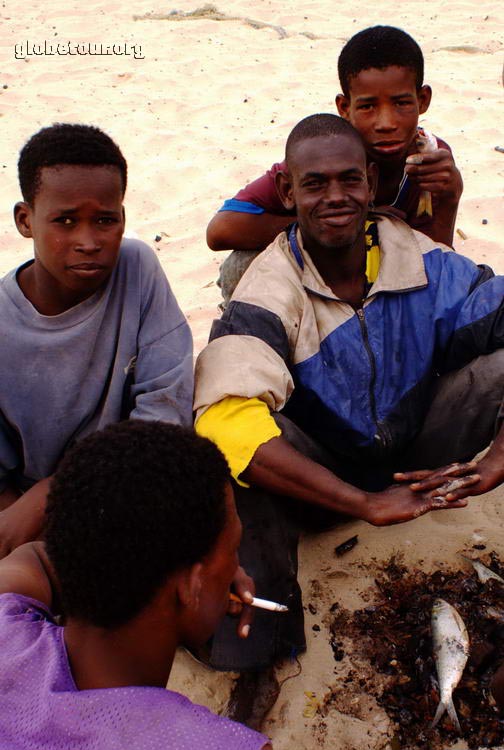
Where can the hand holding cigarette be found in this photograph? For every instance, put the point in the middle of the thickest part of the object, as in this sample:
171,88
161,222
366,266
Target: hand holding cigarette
245,590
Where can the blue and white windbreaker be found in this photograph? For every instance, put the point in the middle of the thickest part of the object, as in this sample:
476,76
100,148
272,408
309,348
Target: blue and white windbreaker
356,381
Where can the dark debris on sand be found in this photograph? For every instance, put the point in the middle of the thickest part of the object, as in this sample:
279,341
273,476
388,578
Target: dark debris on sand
394,635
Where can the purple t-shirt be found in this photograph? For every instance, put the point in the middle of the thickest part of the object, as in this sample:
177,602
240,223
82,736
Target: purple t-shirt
42,709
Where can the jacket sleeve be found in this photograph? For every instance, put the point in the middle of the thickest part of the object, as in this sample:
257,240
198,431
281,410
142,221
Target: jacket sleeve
479,327
246,357
238,426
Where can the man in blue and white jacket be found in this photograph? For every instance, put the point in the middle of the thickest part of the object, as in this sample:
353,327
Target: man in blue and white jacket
354,348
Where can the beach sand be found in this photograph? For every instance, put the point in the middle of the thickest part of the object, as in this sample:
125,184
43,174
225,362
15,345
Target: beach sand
201,106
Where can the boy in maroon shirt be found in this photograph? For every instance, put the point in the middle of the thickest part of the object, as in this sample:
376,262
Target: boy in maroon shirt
381,76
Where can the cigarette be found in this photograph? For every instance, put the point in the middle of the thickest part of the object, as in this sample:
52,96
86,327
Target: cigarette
261,603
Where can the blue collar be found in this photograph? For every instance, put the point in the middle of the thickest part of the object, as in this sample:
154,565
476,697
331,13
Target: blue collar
293,243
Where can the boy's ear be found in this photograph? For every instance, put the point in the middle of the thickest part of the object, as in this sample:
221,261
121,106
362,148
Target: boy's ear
22,215
283,183
372,178
424,98
189,586
343,106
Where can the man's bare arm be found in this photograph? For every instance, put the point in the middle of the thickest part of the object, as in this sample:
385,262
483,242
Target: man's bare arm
278,467
27,571
232,230
7,497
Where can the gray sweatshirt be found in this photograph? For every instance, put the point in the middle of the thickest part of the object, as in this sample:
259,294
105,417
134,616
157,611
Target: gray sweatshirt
124,352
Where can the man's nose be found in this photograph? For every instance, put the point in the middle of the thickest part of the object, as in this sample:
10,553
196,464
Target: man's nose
335,192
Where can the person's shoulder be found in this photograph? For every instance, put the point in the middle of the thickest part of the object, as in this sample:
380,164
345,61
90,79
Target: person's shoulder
448,270
17,606
137,251
193,725
262,191
273,278
139,267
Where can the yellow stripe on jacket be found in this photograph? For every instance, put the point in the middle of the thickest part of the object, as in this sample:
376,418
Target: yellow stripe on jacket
238,426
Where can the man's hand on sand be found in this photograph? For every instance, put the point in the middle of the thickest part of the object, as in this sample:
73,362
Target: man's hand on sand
399,503
436,172
457,480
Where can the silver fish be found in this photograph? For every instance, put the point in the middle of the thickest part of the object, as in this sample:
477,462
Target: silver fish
484,573
495,613
451,650
426,143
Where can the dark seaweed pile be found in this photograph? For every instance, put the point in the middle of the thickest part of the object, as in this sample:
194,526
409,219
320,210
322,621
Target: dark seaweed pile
395,635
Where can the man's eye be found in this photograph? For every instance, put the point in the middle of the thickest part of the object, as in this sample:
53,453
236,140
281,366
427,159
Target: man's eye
404,103
312,184
107,220
365,107
65,220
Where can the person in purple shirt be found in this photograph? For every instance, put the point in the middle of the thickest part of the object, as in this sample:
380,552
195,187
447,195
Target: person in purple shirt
140,552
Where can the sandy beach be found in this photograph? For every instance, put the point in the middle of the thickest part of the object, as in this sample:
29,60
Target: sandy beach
199,107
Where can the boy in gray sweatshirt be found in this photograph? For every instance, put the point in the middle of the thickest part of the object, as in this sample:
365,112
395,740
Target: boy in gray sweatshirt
91,332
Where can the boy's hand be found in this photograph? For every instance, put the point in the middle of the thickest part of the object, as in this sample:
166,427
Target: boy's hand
435,171
244,588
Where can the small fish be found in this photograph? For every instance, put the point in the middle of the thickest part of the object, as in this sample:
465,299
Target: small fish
495,613
425,142
451,650
484,573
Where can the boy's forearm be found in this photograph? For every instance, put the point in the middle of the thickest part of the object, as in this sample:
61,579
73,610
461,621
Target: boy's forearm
231,230
23,521
442,227
7,497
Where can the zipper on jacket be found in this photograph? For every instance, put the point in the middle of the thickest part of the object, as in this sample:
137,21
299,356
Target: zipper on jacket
362,321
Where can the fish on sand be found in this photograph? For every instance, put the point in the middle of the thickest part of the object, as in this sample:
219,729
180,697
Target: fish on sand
451,650
484,573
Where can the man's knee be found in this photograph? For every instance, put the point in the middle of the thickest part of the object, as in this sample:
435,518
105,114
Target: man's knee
483,383
232,269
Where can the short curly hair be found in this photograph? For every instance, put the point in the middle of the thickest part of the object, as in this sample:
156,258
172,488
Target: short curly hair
127,507
66,143
379,47
319,125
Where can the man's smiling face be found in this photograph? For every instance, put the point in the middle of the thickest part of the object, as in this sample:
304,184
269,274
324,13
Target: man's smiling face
329,185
